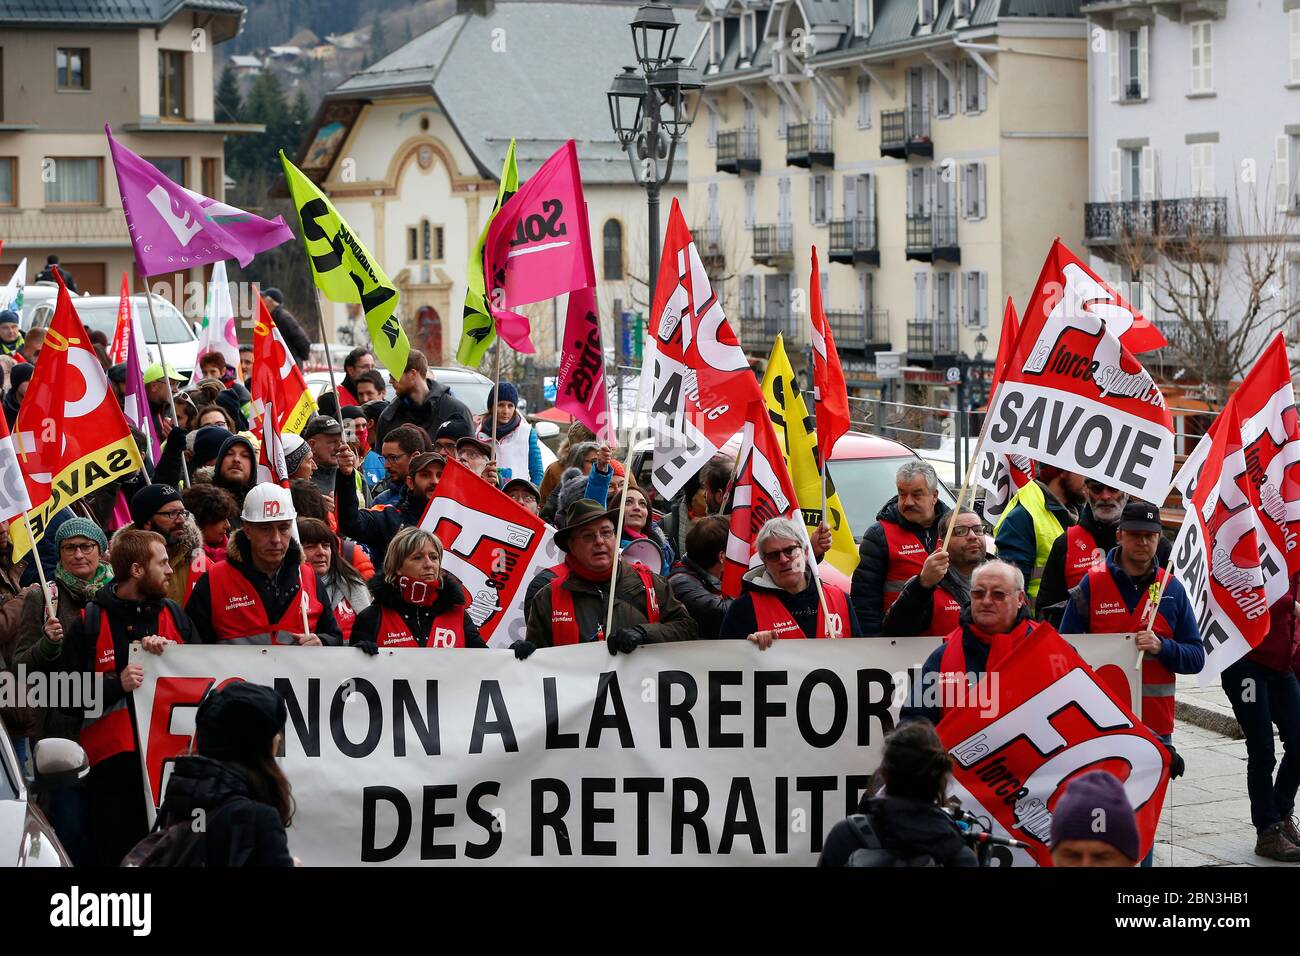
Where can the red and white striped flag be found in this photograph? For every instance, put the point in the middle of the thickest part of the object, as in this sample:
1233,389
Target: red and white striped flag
829,390
14,500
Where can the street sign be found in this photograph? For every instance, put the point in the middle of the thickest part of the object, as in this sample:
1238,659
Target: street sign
952,375
889,365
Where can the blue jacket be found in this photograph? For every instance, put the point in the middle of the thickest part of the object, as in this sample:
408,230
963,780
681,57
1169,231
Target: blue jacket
1183,655
373,468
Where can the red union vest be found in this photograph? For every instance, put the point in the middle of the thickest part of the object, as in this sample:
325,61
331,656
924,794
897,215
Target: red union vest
1080,554
238,616
907,553
448,629
110,734
1108,614
199,566
564,617
772,615
952,665
946,612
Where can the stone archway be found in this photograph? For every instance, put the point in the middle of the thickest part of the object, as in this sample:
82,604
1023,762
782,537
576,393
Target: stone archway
425,307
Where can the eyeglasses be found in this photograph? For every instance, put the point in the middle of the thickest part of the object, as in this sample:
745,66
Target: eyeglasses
783,553
589,537
1096,487
964,530
979,594
389,459
172,515
73,548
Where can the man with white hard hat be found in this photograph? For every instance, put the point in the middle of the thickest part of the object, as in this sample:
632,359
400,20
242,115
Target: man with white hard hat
258,594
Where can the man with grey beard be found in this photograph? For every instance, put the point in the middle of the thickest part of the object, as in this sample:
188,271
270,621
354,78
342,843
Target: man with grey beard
1089,541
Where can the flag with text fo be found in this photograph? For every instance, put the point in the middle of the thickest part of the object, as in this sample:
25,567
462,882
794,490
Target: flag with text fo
173,228
478,331
70,434
1074,396
695,378
792,425
580,385
1217,555
345,271
277,380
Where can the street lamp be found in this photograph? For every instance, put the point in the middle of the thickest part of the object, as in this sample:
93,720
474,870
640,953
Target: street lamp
649,111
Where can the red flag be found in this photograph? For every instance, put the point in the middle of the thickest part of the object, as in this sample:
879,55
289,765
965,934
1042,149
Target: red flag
1216,555
271,455
829,390
538,245
762,490
277,381
1074,396
1052,720
70,433
1000,474
696,383
14,499
122,331
1006,344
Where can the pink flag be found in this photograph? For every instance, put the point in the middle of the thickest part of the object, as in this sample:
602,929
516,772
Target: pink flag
580,390
538,245
175,228
135,402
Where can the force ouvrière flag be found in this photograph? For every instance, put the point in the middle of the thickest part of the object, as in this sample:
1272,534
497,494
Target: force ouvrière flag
477,330
278,382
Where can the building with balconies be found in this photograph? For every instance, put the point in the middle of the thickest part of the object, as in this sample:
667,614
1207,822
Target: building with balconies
937,146
68,68
1194,165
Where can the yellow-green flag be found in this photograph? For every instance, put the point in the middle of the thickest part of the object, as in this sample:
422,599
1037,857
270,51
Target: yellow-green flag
345,271
477,330
796,431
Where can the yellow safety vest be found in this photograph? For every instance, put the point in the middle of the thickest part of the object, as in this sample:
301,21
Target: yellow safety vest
1046,530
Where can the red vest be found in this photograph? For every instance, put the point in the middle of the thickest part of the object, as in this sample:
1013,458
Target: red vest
238,616
772,615
564,617
110,734
346,615
907,553
1108,614
1080,554
953,663
448,629
946,613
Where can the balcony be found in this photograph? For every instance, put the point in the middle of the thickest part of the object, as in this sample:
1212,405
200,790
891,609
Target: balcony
757,333
1192,227
1132,92
708,243
933,238
774,244
89,229
859,331
738,151
905,133
929,340
809,144
853,242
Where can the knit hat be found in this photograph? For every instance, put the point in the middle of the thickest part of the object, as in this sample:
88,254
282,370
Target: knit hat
296,450
233,400
239,720
1094,807
375,409
8,317
81,528
21,372
117,373
274,294
149,500
207,444
507,393
453,428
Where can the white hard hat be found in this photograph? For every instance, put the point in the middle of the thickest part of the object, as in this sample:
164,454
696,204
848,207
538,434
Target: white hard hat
268,502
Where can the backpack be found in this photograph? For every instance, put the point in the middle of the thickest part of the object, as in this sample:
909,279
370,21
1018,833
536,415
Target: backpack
180,844
873,853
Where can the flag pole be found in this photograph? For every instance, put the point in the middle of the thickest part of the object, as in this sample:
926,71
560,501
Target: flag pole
329,360
1157,590
970,471
618,535
40,570
496,396
162,358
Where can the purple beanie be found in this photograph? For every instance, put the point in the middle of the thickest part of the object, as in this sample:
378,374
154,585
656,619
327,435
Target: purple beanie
1076,816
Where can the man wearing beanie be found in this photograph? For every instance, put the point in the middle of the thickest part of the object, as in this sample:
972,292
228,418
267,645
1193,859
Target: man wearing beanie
294,337
159,508
1094,824
19,376
11,336
519,452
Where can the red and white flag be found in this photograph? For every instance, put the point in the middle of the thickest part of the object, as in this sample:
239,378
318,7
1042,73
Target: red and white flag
1000,474
1074,396
696,382
829,390
1216,555
122,330
14,500
277,380
271,455
493,545
1053,719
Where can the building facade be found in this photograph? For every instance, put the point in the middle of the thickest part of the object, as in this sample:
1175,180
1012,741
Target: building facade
66,69
410,151
930,149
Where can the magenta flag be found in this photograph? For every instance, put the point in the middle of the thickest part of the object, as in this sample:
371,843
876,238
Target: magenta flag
174,228
538,245
580,389
135,402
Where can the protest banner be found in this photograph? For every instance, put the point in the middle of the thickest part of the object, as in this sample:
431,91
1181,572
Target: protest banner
708,752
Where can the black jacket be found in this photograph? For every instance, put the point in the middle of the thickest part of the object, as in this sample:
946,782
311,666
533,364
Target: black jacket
47,275
374,527
701,593
591,601
911,614
294,337
740,621
418,619
905,828
11,404
440,406
873,563
277,593
240,830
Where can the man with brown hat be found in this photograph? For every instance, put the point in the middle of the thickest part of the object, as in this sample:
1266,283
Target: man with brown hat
571,605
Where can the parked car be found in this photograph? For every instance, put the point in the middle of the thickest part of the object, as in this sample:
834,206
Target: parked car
26,837
180,345
34,295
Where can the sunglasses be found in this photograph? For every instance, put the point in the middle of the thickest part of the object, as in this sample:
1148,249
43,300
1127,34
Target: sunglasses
783,553
998,595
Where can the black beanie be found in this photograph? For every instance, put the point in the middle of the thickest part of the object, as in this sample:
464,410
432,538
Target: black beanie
149,500
21,372
239,720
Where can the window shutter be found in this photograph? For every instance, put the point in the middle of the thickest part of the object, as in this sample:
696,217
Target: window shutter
967,317
1112,55
1294,18
1116,175
1207,55
1281,169
750,204
983,89
961,85
984,299
869,187
966,191
850,202
919,308
1144,58
812,199
1148,172
981,170
713,128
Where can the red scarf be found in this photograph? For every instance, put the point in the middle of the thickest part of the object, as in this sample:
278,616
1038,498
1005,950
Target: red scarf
416,592
584,572
1000,645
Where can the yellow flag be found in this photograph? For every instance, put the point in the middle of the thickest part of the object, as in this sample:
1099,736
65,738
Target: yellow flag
798,436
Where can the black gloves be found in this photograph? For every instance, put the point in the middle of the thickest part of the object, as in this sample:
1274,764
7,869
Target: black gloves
367,647
523,649
626,639
1177,765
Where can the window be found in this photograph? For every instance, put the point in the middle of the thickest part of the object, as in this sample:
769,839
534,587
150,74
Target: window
1202,162
412,244
173,167
819,196
962,9
1202,58
920,308
866,292
171,84
748,29
424,243
72,68
713,128
749,296
433,244
974,204
864,102
974,88
1285,173
1133,174
943,91
944,300
925,12
783,211
612,240
1129,65
1293,18
716,47
75,182
975,299
751,204
863,17
213,185
8,181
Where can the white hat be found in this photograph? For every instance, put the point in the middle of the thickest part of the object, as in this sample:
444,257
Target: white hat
268,502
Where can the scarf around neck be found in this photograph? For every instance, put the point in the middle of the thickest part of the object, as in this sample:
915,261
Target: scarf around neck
84,590
419,593
502,430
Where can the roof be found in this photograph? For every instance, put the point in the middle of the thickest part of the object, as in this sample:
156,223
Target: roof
245,60
549,88
124,13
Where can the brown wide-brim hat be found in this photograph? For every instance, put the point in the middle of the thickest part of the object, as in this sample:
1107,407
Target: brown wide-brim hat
582,512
